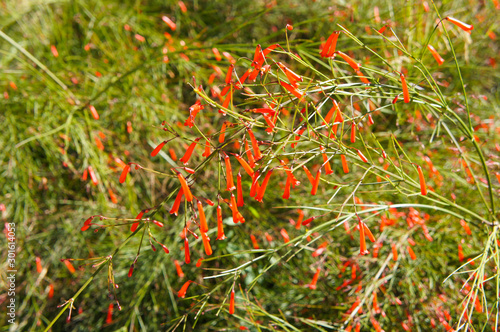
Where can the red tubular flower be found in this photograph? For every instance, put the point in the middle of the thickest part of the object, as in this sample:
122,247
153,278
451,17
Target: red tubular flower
189,170
94,112
289,173
256,56
239,191
172,154
178,269
299,219
466,27
370,119
225,90
269,122
376,325
193,111
69,266
136,224
338,120
269,238
368,232
309,175
109,316
229,74
465,226
125,171
92,176
189,152
217,54
243,79
198,263
321,249
362,77
344,164
349,60
169,22
362,241
406,94
206,244
328,168
183,290
207,149
98,143
263,187
222,133
436,55
316,183
39,268
292,90
112,196
51,291
157,223
353,132
308,221
185,188
355,305
412,254
253,75
330,45
229,173
285,236
394,252
254,242
286,193
460,253
244,164
226,102
331,112
158,148
251,160
177,202
376,308
234,208
292,77
382,29
231,302
255,184
229,57
203,220
297,137
269,49
362,156
187,255
314,280
423,187
220,226
255,145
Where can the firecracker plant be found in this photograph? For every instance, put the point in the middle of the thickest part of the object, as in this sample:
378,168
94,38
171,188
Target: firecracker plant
343,161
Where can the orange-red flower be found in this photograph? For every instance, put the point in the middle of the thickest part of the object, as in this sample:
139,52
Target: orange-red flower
314,280
183,290
185,188
460,24
189,151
